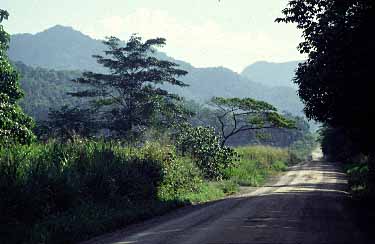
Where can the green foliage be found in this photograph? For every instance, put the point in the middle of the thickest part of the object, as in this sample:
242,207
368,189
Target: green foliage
67,123
46,191
245,104
128,96
46,90
4,37
15,126
204,147
357,176
181,177
336,81
205,115
338,145
237,115
64,193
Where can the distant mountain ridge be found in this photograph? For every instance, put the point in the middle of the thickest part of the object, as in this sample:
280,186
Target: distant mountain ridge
59,47
63,48
272,74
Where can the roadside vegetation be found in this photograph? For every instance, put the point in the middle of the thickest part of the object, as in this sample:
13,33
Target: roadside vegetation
257,163
64,193
338,146
357,178
125,149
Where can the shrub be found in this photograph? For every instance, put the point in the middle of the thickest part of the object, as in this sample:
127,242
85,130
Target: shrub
181,177
204,147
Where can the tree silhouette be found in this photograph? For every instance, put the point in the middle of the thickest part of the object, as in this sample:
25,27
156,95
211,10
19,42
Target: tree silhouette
129,97
336,81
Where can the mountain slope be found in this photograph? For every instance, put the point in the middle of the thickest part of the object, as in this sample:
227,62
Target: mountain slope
206,83
272,74
45,89
59,47
63,48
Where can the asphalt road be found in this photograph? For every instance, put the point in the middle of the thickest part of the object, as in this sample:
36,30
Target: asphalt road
307,204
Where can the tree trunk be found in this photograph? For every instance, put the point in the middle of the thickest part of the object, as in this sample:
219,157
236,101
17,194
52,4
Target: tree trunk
222,143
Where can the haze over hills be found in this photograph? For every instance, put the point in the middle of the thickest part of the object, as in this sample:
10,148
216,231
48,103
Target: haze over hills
272,74
63,48
59,47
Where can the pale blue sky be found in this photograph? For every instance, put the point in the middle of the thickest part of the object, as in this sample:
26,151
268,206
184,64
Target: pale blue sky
230,33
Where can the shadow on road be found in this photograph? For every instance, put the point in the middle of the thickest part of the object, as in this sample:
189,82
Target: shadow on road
313,207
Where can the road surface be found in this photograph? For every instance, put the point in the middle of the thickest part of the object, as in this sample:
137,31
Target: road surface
307,204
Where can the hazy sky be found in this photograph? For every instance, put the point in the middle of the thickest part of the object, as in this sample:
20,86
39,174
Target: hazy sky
230,33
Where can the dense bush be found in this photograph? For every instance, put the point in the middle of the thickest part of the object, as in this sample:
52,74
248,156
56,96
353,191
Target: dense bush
204,147
338,145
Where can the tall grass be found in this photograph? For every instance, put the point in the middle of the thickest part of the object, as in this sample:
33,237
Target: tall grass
48,191
64,193
257,163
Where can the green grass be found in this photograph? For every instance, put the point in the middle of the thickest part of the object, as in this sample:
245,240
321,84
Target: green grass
208,191
256,164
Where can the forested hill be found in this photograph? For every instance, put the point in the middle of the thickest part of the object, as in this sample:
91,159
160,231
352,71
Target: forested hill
59,47
63,48
45,89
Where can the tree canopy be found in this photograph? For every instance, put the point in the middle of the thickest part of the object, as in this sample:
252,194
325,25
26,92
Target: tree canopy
15,126
243,114
335,82
128,97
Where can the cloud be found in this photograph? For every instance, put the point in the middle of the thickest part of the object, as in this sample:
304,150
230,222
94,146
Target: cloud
114,25
204,44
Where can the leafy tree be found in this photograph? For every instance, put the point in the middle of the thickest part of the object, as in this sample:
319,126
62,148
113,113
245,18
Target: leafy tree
129,96
336,81
244,114
15,126
173,113
206,115
202,144
337,145
67,123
